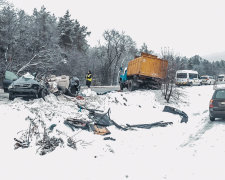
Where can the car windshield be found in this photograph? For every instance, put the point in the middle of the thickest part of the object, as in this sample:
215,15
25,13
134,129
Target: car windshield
220,76
192,76
204,77
181,75
219,94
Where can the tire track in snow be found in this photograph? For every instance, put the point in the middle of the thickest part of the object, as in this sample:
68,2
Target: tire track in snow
195,137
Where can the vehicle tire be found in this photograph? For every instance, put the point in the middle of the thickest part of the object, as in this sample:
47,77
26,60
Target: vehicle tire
5,90
211,118
191,84
130,85
11,97
44,93
121,86
159,85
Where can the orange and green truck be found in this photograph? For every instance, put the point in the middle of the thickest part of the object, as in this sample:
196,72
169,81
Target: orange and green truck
146,71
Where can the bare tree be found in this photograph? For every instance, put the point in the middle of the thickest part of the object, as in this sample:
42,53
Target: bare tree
112,53
169,89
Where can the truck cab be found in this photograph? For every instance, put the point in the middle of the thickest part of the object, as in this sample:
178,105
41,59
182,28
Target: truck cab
123,79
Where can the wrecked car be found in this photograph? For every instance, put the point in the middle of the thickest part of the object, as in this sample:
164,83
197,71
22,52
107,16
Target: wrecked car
64,84
27,87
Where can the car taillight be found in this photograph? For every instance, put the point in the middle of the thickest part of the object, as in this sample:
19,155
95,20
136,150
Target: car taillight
211,103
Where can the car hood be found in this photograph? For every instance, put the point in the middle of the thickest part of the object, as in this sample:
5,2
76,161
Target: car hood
23,80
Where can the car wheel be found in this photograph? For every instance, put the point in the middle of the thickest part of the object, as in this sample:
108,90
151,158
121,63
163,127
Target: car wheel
212,118
11,97
44,93
5,90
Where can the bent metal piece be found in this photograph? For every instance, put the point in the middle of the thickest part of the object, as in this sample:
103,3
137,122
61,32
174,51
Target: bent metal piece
176,111
149,126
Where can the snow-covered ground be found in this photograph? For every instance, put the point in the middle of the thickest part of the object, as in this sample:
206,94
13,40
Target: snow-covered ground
192,150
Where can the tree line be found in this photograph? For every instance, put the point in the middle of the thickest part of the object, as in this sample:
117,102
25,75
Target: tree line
45,44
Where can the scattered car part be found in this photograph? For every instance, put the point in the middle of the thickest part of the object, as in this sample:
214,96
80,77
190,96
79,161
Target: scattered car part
109,138
100,130
76,123
149,126
176,111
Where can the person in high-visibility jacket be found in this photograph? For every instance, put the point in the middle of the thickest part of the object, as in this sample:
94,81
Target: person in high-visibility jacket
88,79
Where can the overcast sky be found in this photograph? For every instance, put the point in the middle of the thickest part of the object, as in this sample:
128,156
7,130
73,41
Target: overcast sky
189,27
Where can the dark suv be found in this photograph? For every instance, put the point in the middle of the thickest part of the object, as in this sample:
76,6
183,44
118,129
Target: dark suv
217,104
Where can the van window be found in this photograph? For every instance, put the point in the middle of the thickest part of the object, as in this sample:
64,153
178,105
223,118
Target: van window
192,76
181,75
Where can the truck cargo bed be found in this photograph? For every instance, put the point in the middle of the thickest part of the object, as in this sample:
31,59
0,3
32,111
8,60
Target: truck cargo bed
148,66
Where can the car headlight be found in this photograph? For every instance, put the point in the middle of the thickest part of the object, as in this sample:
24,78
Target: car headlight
10,86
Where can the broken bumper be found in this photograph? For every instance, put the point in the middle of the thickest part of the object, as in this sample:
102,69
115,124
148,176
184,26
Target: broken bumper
24,92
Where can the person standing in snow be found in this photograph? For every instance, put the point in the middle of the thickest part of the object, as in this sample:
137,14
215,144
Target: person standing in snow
88,79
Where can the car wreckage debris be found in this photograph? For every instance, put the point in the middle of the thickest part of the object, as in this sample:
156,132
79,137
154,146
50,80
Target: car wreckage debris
76,123
176,111
90,110
104,119
100,130
149,126
109,138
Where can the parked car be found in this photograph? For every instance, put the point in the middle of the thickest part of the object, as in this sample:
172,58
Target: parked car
9,77
27,87
217,103
187,77
207,80
221,78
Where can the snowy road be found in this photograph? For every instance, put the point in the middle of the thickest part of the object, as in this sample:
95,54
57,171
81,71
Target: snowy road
195,150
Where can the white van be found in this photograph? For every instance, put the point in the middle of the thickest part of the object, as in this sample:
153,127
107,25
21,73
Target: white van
187,77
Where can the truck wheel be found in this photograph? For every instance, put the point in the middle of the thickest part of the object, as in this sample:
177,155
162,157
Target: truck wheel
131,85
211,118
121,86
11,97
